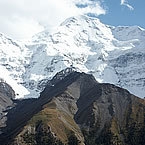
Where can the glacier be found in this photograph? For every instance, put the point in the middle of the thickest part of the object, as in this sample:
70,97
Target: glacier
112,54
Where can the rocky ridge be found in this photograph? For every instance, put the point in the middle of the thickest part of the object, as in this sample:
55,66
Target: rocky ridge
77,108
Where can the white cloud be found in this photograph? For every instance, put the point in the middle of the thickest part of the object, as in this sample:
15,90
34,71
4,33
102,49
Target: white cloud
125,3
91,6
24,18
19,27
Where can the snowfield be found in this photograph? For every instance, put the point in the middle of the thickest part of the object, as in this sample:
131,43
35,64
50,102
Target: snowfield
112,54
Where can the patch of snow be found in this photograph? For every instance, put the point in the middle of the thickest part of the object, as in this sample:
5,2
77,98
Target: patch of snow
112,54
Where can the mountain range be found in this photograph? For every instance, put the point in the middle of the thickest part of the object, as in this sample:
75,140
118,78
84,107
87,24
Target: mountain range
81,84
112,54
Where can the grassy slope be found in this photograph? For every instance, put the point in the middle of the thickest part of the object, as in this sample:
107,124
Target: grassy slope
61,124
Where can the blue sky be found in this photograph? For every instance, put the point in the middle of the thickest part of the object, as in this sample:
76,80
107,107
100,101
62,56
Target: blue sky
22,19
122,15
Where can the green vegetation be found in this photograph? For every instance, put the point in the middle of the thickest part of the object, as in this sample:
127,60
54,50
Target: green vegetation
134,130
43,136
29,139
72,139
48,128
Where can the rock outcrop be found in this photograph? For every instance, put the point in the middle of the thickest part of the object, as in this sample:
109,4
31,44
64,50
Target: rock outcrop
77,110
6,101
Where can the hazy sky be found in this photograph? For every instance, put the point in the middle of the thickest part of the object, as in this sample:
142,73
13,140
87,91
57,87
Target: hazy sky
21,19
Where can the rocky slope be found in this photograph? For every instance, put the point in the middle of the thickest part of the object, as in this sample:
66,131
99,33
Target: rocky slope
76,109
112,54
7,95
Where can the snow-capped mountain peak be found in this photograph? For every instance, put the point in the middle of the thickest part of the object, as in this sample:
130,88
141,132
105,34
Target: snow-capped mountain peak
112,54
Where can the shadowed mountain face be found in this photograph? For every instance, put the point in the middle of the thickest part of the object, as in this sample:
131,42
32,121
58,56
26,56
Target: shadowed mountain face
76,109
6,101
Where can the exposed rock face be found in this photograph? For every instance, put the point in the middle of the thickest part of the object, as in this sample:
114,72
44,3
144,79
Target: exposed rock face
6,102
77,109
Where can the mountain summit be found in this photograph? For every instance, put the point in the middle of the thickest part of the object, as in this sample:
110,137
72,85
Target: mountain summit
112,54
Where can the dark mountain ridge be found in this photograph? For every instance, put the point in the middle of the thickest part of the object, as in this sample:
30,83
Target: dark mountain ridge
77,106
